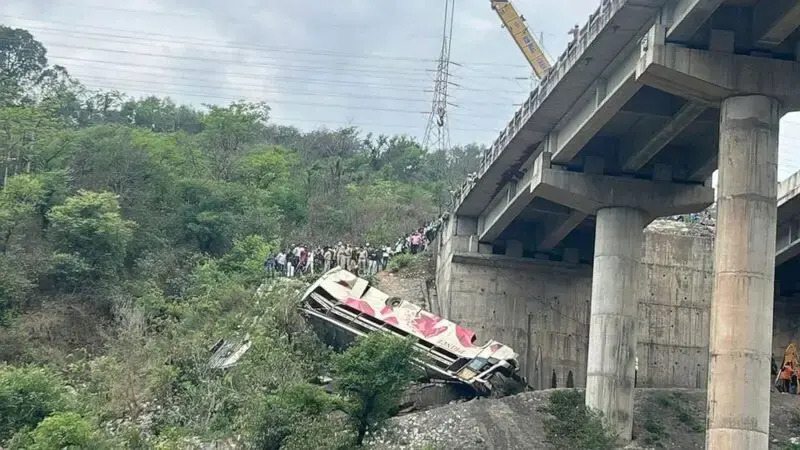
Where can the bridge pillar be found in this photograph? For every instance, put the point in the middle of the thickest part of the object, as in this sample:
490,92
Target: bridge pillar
742,304
623,206
614,314
752,92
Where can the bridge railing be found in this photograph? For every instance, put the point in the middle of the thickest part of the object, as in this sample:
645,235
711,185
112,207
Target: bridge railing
597,21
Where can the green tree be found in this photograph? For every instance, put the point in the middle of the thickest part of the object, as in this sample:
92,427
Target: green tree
116,158
247,257
161,115
90,225
100,107
385,210
59,94
22,58
26,133
18,202
229,132
267,167
210,214
403,159
373,374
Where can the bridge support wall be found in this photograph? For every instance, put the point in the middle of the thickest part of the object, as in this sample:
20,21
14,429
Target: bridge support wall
541,308
538,307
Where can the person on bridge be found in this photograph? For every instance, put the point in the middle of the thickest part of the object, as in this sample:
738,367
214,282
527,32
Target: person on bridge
574,31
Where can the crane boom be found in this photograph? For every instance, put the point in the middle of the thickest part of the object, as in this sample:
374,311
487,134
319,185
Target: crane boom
515,25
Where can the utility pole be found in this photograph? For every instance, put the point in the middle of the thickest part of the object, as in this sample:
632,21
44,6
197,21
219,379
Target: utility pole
437,132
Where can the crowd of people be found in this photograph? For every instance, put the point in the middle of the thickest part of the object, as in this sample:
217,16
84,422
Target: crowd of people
367,260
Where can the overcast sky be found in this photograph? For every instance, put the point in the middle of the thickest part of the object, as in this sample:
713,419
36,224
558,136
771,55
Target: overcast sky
330,63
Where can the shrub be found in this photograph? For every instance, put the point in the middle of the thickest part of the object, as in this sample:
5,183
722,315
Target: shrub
373,374
296,416
401,261
27,396
573,425
65,430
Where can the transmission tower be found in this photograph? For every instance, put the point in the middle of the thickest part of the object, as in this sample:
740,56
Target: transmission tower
437,132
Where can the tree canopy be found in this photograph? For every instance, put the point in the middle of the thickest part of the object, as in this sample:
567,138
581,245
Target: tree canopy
132,237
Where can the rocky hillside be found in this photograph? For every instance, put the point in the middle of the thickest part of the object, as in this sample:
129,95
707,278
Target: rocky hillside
665,418
410,280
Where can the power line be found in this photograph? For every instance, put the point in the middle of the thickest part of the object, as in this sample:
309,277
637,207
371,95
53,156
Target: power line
343,66
244,75
293,51
149,43
183,57
249,75
260,87
365,124
145,86
172,13
348,65
155,91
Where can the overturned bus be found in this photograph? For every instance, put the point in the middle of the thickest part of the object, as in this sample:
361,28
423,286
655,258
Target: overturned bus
450,352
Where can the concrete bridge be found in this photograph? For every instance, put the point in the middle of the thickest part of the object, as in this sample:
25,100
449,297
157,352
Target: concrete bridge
629,125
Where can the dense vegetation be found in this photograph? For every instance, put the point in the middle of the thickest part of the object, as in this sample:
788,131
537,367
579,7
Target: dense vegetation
132,233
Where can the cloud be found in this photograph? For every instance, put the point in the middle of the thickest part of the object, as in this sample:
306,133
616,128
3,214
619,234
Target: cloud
363,62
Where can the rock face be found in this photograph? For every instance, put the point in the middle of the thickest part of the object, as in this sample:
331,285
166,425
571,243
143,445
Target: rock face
664,418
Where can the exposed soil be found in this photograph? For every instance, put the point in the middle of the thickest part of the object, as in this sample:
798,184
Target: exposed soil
409,283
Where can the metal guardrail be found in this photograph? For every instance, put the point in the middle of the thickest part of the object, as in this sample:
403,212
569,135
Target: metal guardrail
597,21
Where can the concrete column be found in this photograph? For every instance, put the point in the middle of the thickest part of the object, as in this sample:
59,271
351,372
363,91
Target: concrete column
612,327
744,269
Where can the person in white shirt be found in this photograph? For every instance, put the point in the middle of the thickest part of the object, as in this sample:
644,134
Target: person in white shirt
328,258
385,258
280,260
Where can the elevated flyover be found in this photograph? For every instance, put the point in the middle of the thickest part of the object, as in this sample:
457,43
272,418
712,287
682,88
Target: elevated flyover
629,125
788,234
787,248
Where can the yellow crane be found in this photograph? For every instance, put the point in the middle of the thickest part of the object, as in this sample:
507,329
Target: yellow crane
515,24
